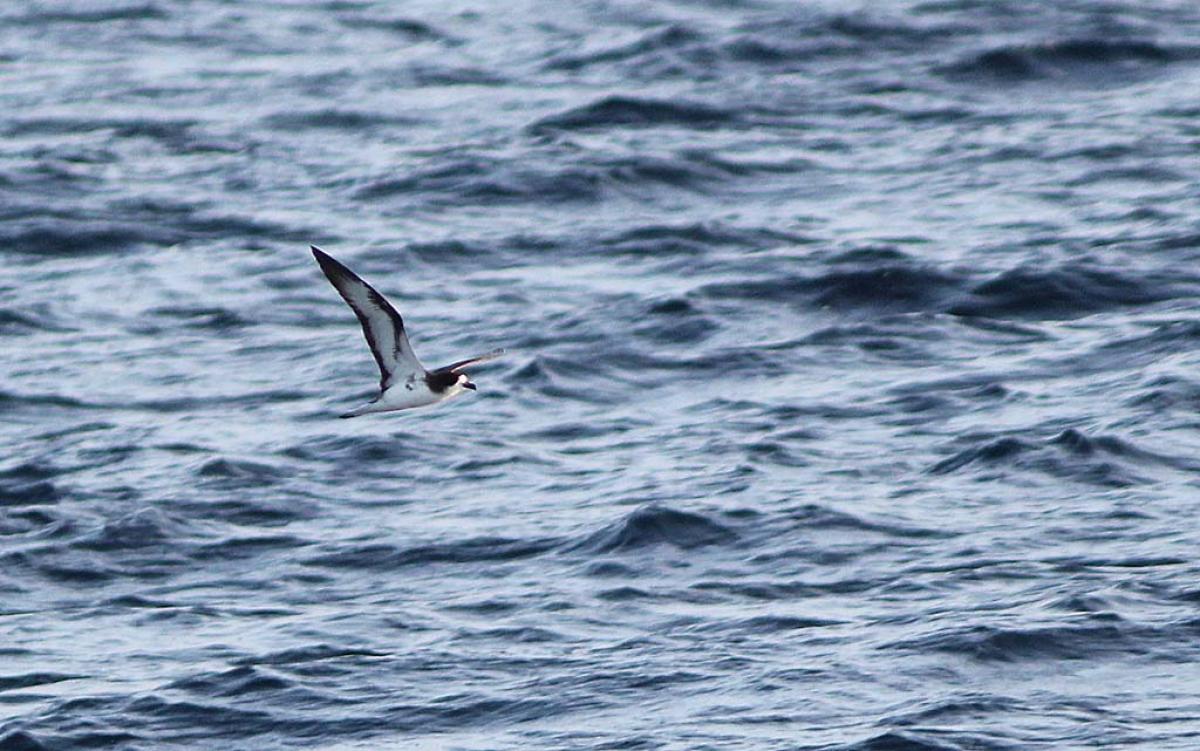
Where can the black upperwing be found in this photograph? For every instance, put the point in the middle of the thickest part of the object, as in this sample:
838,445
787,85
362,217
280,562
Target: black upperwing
458,366
381,324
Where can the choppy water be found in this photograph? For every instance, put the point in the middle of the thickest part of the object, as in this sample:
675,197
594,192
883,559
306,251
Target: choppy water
851,404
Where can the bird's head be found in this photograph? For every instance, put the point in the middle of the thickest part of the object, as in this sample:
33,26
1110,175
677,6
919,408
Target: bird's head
465,381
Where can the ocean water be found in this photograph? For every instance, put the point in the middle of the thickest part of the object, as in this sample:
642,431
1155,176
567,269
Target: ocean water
852,399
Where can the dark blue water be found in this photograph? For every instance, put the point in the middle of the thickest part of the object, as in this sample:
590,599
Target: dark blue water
852,403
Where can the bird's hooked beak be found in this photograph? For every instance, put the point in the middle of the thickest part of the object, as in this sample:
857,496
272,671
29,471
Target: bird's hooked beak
469,385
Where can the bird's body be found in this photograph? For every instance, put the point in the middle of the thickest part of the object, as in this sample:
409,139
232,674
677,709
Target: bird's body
414,391
403,382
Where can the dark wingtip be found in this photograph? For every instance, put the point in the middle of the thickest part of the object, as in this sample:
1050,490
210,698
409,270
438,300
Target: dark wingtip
328,263
346,416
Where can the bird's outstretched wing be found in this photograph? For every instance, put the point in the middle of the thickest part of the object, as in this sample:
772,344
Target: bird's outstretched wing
457,367
381,324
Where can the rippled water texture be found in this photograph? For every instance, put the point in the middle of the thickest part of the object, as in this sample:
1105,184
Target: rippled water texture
851,397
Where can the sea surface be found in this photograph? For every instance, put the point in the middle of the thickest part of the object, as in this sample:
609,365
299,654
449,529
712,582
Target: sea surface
851,403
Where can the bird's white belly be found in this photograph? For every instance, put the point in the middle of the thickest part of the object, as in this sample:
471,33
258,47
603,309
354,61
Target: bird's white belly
400,397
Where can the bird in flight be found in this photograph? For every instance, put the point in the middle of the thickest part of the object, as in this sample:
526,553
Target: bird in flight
403,382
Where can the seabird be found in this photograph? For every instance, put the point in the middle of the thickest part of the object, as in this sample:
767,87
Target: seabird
403,382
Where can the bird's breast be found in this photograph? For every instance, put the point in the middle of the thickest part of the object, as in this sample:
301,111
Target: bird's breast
404,396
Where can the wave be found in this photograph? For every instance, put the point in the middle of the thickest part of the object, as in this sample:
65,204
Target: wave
227,722
958,708
674,321
29,484
360,453
64,564
811,516
1099,460
82,237
1167,393
616,111
243,472
20,740
552,377
407,27
202,317
655,525
1145,174
1083,445
164,130
29,319
334,119
918,740
238,548
30,471
133,227
444,75
906,286
1089,58
25,680
309,653
998,644
1142,350
566,432
178,137
770,624
896,283
168,405
998,451
654,42
244,680
37,493
486,180
1067,292
382,556
697,238
144,528
784,41
137,12
791,44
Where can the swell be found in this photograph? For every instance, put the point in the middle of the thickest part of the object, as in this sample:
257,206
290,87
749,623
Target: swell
1093,59
656,525
1085,639
133,227
899,283
179,137
382,556
486,180
788,40
635,112
134,12
645,527
336,119
1102,460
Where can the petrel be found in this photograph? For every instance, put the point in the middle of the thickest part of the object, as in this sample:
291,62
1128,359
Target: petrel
403,382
